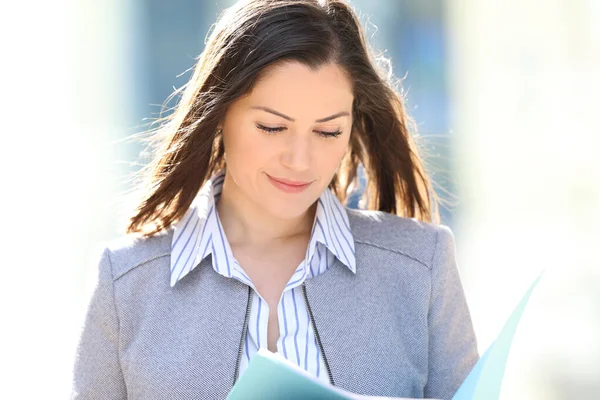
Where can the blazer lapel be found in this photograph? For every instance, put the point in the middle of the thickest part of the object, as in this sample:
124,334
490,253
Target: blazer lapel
336,311
219,311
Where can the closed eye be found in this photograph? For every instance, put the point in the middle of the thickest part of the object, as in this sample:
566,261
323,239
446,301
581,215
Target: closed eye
271,130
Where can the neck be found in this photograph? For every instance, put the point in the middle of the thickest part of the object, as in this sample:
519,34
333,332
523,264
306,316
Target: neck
247,223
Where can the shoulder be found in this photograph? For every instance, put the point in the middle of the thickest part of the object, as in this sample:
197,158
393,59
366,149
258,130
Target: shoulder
405,236
127,252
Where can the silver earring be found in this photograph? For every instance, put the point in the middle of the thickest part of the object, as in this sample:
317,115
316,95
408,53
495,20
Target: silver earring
219,131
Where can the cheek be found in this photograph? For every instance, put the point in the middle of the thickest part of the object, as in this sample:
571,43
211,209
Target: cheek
245,148
329,157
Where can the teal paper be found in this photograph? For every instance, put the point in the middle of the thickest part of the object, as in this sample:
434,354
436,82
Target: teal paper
485,379
271,376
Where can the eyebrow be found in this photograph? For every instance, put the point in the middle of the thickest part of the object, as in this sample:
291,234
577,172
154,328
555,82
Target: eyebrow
329,118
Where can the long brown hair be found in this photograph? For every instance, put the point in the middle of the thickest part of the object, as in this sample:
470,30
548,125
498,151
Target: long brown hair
248,37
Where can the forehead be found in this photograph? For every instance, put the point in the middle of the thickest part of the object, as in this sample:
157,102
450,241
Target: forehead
294,87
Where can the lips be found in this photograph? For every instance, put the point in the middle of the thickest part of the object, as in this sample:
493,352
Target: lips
289,182
289,186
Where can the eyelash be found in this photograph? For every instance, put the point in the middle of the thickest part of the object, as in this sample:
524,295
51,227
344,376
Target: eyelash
272,131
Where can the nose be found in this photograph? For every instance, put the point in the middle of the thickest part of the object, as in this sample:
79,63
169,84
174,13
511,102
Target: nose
297,153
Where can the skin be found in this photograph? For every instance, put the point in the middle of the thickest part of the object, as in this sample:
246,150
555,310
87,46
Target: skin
268,229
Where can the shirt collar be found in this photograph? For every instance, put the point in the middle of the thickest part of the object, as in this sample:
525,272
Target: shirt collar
200,233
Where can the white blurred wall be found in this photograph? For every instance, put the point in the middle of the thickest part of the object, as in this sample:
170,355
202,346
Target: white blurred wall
525,81
62,102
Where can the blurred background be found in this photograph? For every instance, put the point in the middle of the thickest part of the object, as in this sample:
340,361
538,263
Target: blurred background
505,96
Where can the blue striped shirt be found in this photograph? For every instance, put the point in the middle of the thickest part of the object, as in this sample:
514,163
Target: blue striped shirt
200,233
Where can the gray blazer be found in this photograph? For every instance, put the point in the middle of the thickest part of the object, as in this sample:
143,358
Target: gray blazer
398,327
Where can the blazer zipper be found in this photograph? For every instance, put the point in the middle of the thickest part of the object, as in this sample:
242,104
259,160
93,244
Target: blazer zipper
312,320
244,332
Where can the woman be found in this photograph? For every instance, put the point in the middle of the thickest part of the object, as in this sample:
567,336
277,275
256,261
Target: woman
241,240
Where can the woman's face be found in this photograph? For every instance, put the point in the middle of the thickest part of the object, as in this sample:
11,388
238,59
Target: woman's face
295,125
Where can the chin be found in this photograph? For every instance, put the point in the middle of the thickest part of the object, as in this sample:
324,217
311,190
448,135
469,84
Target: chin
286,210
